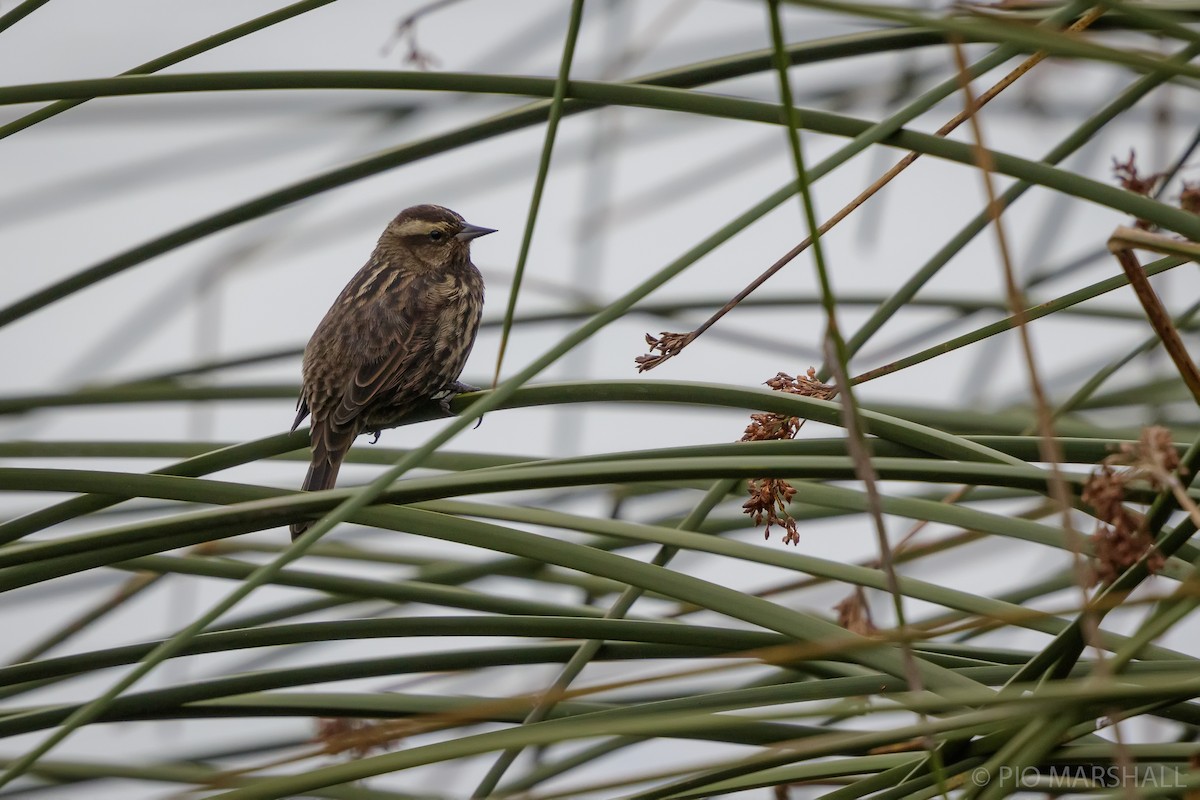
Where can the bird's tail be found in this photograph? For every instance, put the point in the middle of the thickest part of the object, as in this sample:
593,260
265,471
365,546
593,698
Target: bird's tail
322,472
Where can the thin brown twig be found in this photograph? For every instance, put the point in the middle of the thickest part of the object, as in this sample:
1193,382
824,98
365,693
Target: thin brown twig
670,345
859,450
1051,452
1048,444
1121,244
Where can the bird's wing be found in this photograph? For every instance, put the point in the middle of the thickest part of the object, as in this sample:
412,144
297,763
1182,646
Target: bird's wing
404,359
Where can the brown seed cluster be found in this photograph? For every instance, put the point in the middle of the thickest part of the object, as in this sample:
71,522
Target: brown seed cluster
406,33
1121,538
667,344
769,497
855,615
806,385
1132,180
768,502
1189,198
359,737
770,425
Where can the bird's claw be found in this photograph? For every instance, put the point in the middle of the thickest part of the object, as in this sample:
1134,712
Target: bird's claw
375,435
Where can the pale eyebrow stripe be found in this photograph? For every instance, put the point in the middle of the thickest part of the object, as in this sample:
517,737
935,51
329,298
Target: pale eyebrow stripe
412,226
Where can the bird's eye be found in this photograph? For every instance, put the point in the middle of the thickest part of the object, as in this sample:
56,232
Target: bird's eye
435,236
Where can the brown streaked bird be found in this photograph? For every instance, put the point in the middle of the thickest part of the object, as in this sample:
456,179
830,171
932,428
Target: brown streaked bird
397,336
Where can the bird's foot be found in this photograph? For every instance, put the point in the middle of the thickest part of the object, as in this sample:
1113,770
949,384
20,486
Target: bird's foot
450,392
374,435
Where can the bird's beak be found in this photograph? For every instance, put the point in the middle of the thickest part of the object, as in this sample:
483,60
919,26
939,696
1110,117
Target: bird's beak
470,232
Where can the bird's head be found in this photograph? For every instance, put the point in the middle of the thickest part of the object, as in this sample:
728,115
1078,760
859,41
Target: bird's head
431,236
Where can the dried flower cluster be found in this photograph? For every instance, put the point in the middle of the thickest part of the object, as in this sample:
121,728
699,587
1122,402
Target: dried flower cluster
668,345
768,504
767,426
805,385
1121,538
1189,198
359,737
406,32
1131,180
855,615
769,497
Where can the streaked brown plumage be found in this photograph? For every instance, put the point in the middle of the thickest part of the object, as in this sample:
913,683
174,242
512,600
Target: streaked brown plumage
398,335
